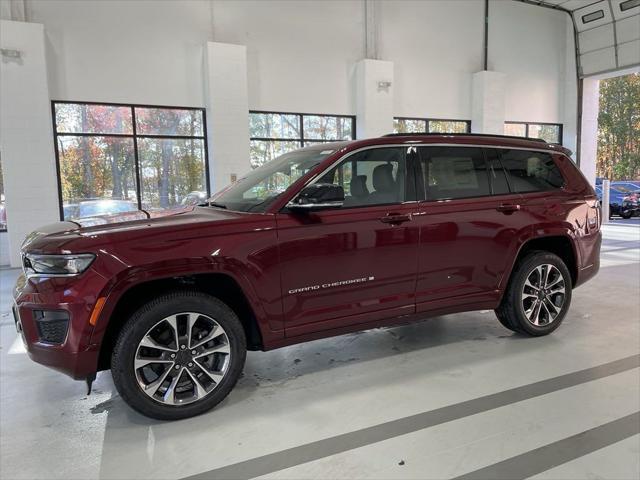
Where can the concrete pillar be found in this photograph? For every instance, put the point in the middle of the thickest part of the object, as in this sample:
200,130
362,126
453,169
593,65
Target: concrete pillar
26,134
488,102
589,131
374,98
227,104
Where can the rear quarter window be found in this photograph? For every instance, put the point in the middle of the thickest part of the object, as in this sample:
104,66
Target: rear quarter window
530,171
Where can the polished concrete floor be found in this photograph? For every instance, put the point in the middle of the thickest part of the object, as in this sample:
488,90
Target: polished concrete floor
455,396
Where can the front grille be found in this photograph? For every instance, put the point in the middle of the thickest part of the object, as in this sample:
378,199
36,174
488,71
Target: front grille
52,325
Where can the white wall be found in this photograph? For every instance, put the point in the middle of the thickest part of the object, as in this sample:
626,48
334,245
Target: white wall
301,55
436,46
125,51
528,44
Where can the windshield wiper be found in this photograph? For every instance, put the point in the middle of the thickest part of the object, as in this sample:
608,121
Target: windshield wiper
214,204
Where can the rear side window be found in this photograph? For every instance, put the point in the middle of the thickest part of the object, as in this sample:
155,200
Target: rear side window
454,172
531,171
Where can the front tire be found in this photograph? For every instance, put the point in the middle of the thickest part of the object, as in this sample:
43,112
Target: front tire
179,355
538,295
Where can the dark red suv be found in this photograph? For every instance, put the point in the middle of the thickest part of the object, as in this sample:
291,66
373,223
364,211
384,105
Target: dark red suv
319,242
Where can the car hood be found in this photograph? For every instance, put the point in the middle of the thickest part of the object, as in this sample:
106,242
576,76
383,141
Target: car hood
92,232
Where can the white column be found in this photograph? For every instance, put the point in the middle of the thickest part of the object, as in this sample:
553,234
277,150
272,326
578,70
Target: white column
26,135
227,102
488,102
589,131
606,200
374,98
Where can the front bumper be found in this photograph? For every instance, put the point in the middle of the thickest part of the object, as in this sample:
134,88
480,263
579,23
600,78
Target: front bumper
75,297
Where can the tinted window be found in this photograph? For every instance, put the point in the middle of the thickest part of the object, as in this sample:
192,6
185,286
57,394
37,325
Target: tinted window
371,177
454,172
497,177
531,171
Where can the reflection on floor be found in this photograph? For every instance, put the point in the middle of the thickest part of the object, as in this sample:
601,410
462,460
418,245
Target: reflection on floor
324,389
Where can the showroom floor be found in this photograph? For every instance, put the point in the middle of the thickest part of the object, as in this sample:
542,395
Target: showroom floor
455,396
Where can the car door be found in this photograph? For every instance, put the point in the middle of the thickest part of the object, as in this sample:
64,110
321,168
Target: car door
469,223
357,263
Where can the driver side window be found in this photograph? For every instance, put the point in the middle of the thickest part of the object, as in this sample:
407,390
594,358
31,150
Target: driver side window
370,177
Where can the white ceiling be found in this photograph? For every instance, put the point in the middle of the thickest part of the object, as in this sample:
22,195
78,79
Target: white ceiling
608,33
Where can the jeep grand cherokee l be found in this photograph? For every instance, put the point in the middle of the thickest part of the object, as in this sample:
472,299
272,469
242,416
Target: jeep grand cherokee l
321,241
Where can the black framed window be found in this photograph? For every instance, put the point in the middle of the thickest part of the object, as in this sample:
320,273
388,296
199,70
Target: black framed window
430,125
275,133
115,158
549,132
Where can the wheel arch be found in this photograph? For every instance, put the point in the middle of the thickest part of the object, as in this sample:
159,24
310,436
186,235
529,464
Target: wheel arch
561,244
133,294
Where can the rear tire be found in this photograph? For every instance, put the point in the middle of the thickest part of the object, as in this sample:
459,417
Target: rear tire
538,295
625,215
178,356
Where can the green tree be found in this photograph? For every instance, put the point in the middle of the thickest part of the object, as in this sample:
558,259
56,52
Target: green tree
619,128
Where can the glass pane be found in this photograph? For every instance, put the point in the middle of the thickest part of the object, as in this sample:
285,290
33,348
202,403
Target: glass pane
255,191
263,151
83,118
97,176
322,127
274,125
515,129
531,171
454,172
405,125
169,121
447,126
549,133
371,177
172,172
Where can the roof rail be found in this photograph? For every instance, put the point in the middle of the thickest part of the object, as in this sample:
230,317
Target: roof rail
416,134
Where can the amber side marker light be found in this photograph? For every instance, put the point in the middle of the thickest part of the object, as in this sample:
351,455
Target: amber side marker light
97,309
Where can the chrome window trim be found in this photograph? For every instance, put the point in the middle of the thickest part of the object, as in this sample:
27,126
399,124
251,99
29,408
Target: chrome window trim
315,178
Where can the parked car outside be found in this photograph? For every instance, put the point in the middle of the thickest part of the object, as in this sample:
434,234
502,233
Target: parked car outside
351,236
92,208
194,198
615,199
631,205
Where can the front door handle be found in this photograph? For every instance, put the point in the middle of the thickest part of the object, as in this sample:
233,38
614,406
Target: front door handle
396,219
508,208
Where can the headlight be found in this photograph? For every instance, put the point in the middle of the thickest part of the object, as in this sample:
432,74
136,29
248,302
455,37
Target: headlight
57,264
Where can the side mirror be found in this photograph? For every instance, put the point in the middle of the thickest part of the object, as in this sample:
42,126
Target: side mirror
319,196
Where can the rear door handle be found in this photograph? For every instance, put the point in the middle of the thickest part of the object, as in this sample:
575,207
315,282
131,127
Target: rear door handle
395,219
508,208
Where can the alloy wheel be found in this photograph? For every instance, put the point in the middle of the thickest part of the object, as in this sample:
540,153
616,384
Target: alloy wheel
182,358
543,295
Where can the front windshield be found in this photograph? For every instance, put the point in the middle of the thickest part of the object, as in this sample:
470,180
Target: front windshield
255,191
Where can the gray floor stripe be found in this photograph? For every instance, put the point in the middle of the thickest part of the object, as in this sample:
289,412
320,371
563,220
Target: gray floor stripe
341,443
544,458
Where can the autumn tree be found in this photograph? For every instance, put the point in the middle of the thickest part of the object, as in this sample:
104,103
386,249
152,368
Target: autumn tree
619,128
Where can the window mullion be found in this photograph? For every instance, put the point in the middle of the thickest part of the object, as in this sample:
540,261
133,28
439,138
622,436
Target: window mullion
136,158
